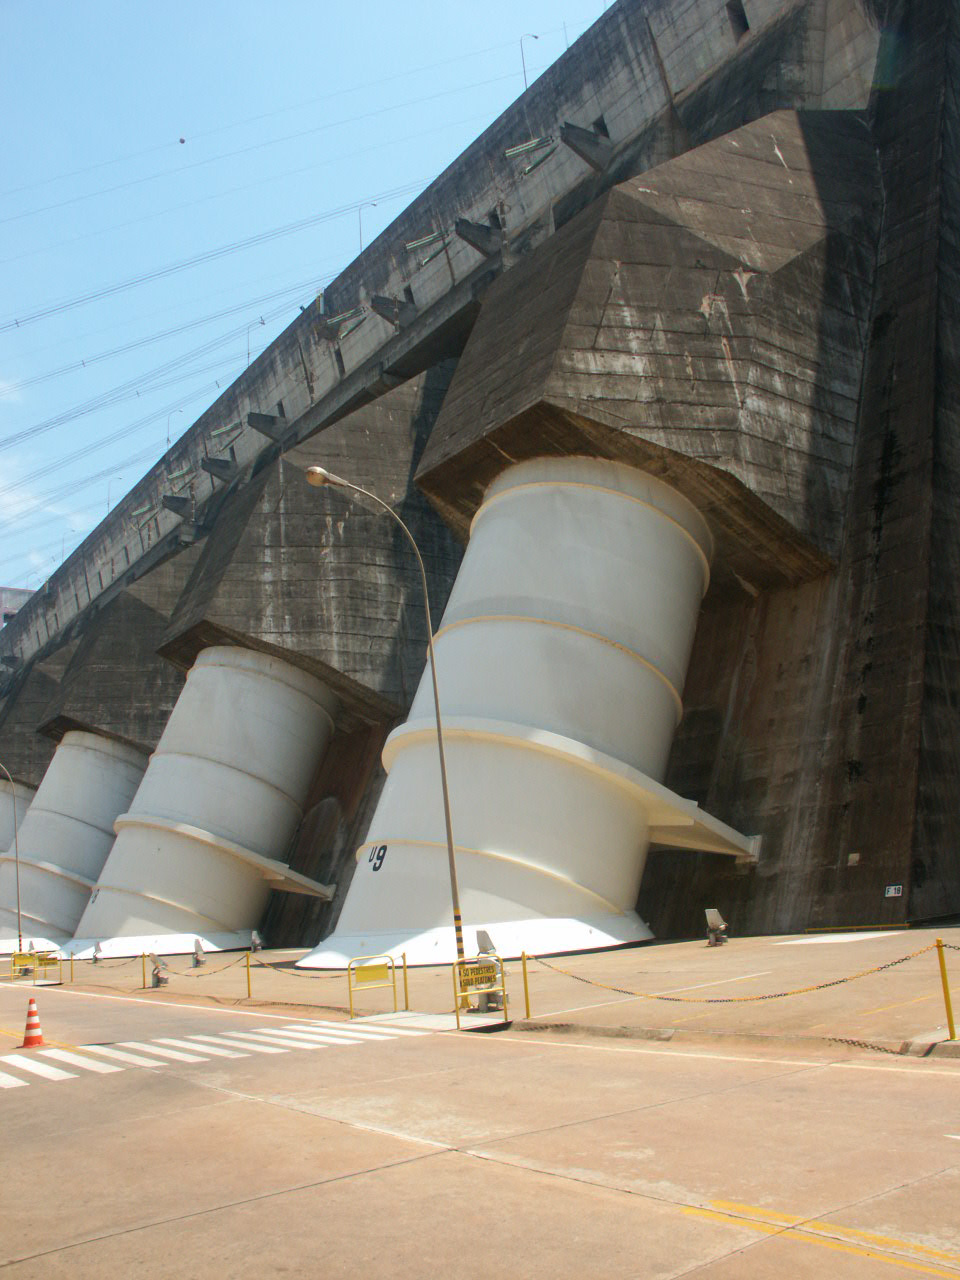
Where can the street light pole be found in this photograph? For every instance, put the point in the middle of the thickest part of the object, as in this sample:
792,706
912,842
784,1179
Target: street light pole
319,476
249,327
16,855
366,204
173,411
527,35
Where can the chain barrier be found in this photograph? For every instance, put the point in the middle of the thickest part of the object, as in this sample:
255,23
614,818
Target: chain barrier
203,971
198,971
866,1044
298,973
773,995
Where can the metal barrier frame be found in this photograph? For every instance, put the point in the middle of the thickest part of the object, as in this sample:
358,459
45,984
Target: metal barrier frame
46,960
461,993
359,963
23,964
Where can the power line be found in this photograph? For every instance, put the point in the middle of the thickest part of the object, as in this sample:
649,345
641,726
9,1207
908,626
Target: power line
254,146
267,115
130,389
11,388
353,154
322,272
85,481
82,482
209,255
94,446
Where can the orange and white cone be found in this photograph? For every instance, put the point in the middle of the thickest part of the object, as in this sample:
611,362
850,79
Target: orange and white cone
33,1036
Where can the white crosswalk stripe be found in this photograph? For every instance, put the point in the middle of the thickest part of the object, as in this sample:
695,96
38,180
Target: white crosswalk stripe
321,1038
165,1051
259,1037
365,1028
253,1045
121,1055
275,1038
343,1029
75,1060
177,1055
207,1048
32,1065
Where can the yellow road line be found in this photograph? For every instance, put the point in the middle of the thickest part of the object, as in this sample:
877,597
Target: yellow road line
53,1044
786,1226
901,1004
804,1237
814,1224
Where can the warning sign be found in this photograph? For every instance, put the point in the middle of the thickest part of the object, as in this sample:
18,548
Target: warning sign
477,974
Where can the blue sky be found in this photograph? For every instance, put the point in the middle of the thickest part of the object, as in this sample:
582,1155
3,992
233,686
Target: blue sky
290,112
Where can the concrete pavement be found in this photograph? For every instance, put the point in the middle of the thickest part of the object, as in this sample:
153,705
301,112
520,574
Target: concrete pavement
519,1154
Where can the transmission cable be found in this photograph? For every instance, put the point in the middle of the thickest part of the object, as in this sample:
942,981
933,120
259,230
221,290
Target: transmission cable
253,146
267,115
11,388
209,255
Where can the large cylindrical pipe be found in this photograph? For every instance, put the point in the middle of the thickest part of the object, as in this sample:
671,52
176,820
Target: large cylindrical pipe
561,660
15,800
228,780
66,836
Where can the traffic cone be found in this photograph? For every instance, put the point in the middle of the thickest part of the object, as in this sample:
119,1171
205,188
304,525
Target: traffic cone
32,1036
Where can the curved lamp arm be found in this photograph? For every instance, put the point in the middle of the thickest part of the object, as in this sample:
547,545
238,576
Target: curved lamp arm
319,477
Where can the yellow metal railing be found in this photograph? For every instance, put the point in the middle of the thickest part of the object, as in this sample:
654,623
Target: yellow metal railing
947,1002
371,972
33,964
483,976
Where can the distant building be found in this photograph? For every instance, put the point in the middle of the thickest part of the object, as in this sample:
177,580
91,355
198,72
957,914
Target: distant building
11,599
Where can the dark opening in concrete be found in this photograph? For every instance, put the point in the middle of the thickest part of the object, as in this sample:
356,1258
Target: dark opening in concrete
738,19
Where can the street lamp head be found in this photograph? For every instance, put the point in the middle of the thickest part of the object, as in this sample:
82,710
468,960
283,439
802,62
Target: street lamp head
319,476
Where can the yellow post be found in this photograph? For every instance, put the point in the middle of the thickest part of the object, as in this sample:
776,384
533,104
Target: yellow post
143,968
946,990
406,988
249,994
71,966
526,985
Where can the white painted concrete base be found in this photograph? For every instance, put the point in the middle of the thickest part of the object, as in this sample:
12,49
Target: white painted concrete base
510,938
31,942
161,944
412,1021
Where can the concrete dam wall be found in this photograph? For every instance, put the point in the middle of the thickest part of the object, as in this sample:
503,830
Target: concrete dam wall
670,419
